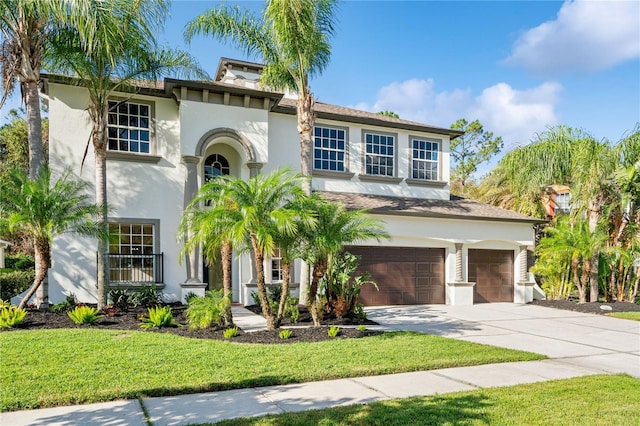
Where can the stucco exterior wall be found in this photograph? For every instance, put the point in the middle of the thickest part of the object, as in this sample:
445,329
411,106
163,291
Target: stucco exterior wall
155,191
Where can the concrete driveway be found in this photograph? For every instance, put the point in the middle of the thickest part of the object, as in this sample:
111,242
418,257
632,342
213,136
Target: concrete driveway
595,341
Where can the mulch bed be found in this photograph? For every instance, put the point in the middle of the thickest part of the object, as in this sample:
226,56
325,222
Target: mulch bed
589,308
303,332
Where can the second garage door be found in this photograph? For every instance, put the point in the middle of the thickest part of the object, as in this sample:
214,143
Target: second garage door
405,276
492,271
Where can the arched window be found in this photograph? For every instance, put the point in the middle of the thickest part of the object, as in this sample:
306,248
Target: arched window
215,165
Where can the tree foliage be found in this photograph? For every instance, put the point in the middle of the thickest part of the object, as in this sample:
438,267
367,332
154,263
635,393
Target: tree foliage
475,147
387,113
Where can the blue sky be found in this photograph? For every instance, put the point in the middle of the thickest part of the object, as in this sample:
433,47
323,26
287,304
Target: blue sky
517,66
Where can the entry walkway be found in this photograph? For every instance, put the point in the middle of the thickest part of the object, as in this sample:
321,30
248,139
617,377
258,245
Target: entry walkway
578,345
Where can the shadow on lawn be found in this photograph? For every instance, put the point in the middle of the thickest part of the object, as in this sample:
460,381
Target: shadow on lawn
436,410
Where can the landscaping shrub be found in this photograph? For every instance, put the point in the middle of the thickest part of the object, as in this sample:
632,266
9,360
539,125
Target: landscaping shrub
14,283
333,331
19,261
205,311
69,303
10,316
84,315
230,332
285,334
190,296
291,309
340,288
147,296
121,298
159,316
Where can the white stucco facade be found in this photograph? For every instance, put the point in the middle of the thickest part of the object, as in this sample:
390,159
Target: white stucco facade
254,132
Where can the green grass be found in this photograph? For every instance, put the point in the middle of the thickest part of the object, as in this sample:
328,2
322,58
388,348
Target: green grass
626,315
594,400
43,368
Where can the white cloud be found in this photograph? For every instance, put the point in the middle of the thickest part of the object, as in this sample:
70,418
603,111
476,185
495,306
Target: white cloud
514,114
585,36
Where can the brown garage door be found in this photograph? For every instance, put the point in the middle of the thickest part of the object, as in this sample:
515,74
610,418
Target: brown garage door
492,271
405,276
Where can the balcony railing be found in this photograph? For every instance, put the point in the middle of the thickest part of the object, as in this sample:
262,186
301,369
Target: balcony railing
135,268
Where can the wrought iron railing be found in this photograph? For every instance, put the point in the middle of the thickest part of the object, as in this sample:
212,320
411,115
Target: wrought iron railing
135,268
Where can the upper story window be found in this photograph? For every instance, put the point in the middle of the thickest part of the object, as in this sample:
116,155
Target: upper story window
129,127
563,203
424,159
329,149
215,165
379,154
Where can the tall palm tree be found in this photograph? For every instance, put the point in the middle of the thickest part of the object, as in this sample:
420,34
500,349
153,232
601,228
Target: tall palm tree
335,228
25,26
256,211
292,38
560,155
44,209
123,51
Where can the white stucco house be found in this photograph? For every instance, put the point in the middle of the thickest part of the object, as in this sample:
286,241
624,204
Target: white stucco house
167,140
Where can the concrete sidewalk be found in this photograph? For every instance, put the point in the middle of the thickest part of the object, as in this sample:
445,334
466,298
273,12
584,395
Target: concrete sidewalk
578,345
216,406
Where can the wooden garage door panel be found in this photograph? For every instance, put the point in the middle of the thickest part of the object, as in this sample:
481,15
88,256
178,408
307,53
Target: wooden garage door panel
404,276
492,271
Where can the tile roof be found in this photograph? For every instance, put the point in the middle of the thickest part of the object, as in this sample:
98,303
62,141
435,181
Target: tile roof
324,110
454,208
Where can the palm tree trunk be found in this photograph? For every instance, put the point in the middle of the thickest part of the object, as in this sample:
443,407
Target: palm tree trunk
34,127
306,119
593,214
575,263
286,280
42,261
100,149
262,289
226,253
319,270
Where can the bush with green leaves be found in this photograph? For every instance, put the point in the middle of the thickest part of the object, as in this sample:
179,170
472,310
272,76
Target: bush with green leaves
230,332
203,312
84,315
19,261
291,309
341,288
147,296
15,282
159,316
10,316
121,298
69,303
333,331
361,328
190,296
285,334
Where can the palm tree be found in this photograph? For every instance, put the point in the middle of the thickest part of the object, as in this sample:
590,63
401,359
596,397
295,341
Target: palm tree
292,39
124,50
44,209
335,228
256,211
559,155
208,222
25,26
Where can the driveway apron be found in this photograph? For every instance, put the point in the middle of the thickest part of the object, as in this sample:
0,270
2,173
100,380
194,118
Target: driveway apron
603,343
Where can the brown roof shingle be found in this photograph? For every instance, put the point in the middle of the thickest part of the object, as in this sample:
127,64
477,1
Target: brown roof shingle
454,208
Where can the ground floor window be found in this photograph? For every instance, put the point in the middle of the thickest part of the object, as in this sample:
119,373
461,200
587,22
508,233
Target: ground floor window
132,254
276,266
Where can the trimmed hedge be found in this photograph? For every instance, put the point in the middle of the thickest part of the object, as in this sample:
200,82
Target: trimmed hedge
14,283
22,262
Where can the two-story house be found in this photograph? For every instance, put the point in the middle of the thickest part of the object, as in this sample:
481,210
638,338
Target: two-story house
169,139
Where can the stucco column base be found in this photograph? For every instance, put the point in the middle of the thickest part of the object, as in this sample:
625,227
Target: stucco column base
523,292
460,293
195,287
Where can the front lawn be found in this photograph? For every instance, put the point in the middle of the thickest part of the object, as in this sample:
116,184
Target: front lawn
625,315
42,368
593,400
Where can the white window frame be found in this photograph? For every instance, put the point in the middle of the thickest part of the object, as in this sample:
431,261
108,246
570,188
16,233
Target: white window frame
425,157
116,125
369,148
145,249
327,145
276,266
